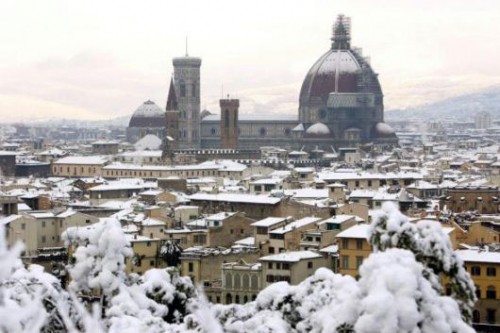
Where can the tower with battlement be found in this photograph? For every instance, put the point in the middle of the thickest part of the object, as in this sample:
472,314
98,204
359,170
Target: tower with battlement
229,123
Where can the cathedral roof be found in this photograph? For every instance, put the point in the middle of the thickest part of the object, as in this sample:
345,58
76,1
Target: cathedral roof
340,70
148,115
318,129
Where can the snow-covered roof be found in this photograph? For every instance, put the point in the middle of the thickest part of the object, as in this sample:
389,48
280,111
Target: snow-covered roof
249,241
151,221
356,231
296,224
267,181
338,219
318,129
89,160
479,256
294,256
8,219
269,222
233,197
330,249
310,193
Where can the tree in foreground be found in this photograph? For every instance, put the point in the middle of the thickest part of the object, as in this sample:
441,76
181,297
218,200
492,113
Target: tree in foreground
398,291
432,248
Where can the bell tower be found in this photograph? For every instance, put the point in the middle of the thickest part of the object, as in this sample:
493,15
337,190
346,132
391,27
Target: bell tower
229,123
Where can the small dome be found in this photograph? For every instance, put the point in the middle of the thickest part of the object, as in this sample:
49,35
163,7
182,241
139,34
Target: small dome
318,129
382,129
148,115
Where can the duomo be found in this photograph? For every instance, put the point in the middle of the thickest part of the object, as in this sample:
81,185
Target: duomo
341,104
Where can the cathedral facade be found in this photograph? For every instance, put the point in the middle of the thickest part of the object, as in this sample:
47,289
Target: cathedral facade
340,105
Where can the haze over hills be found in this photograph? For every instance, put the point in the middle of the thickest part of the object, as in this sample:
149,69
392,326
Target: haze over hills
462,107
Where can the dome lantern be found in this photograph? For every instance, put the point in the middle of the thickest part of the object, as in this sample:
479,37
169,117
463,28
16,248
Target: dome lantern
341,39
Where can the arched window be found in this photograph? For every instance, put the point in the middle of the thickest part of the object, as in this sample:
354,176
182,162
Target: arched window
322,114
229,280
213,131
246,281
229,298
255,282
182,88
237,281
237,299
245,299
476,316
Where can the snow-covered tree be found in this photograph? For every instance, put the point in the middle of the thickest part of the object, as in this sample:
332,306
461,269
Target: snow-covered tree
99,256
431,247
396,297
171,252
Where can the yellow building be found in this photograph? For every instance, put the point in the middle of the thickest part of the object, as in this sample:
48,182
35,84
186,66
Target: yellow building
146,254
484,268
292,267
353,248
78,166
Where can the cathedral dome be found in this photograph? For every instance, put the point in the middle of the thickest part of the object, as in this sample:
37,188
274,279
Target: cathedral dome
383,130
341,69
318,129
148,115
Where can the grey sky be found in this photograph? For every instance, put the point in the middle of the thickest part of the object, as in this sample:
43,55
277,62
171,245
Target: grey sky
101,59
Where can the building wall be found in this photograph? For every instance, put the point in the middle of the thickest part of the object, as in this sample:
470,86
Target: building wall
147,251
479,233
76,170
352,252
240,284
233,228
208,267
484,283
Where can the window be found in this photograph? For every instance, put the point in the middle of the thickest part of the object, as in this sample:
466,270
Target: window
148,244
491,293
270,265
271,249
476,316
309,264
182,89
262,131
475,270
278,265
285,266
356,183
359,261
491,271
345,243
190,267
43,239
345,262
491,315
478,292
359,244
151,263
257,188
369,183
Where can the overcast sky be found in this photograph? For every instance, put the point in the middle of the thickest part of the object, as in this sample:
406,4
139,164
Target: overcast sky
101,59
